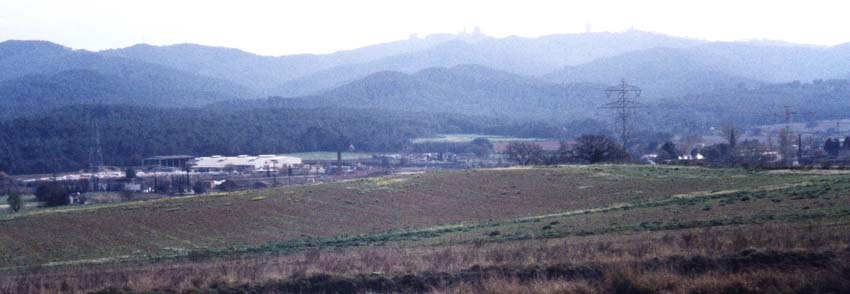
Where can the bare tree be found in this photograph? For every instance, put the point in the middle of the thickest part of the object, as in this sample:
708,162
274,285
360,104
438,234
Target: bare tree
731,134
525,153
598,148
689,142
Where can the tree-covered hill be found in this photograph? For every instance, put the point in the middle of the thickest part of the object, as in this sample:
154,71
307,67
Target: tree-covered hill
60,140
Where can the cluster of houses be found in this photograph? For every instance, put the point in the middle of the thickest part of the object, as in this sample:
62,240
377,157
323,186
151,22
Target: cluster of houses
186,174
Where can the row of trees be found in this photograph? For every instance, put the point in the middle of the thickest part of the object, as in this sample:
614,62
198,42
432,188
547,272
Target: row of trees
51,194
589,149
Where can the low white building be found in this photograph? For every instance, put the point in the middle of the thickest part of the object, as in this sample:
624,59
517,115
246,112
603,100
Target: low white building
245,163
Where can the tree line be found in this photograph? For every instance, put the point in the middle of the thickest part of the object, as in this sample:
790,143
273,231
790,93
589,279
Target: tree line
586,149
62,139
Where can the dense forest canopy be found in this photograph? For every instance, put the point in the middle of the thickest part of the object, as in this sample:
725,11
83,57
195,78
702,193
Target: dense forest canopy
61,139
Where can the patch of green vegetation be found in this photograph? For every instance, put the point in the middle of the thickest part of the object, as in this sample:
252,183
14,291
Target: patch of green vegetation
843,215
490,235
392,183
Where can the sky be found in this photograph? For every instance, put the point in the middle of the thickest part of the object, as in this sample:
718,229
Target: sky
324,26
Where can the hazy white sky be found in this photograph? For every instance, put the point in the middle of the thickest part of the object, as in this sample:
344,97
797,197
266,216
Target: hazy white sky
322,26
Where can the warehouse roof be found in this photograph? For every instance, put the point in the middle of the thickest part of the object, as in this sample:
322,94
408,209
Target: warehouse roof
256,162
167,157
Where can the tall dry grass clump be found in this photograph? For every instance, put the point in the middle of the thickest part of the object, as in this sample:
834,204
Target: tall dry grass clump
735,259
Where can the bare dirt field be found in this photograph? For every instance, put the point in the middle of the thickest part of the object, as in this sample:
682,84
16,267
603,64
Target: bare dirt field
575,228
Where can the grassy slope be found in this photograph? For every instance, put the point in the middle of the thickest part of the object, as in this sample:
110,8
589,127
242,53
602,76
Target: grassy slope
518,203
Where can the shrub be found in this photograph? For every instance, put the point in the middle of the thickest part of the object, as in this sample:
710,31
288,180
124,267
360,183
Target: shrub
130,173
626,283
228,186
597,148
14,201
199,187
52,194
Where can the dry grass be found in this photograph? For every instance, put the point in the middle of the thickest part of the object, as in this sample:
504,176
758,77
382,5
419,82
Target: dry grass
717,260
789,234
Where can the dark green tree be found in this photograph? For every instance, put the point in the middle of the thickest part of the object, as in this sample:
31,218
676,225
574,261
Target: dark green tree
832,147
130,173
200,187
15,202
669,150
481,147
731,134
52,194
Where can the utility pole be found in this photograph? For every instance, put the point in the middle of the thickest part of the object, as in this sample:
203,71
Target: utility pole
95,157
276,171
188,178
788,114
838,127
624,107
339,162
289,175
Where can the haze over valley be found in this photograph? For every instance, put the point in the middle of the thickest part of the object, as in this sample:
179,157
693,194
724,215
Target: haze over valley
310,147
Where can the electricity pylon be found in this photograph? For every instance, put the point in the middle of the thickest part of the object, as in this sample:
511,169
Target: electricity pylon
624,106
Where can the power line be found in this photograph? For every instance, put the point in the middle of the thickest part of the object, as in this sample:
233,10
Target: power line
624,107
788,114
95,156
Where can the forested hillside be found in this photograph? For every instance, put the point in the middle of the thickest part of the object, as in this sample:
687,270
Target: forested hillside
33,94
61,140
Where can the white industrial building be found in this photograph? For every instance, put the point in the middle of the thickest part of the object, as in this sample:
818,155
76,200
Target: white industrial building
244,163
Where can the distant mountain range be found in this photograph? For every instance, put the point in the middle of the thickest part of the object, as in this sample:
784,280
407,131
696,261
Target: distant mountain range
36,76
660,72
524,56
550,76
466,89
